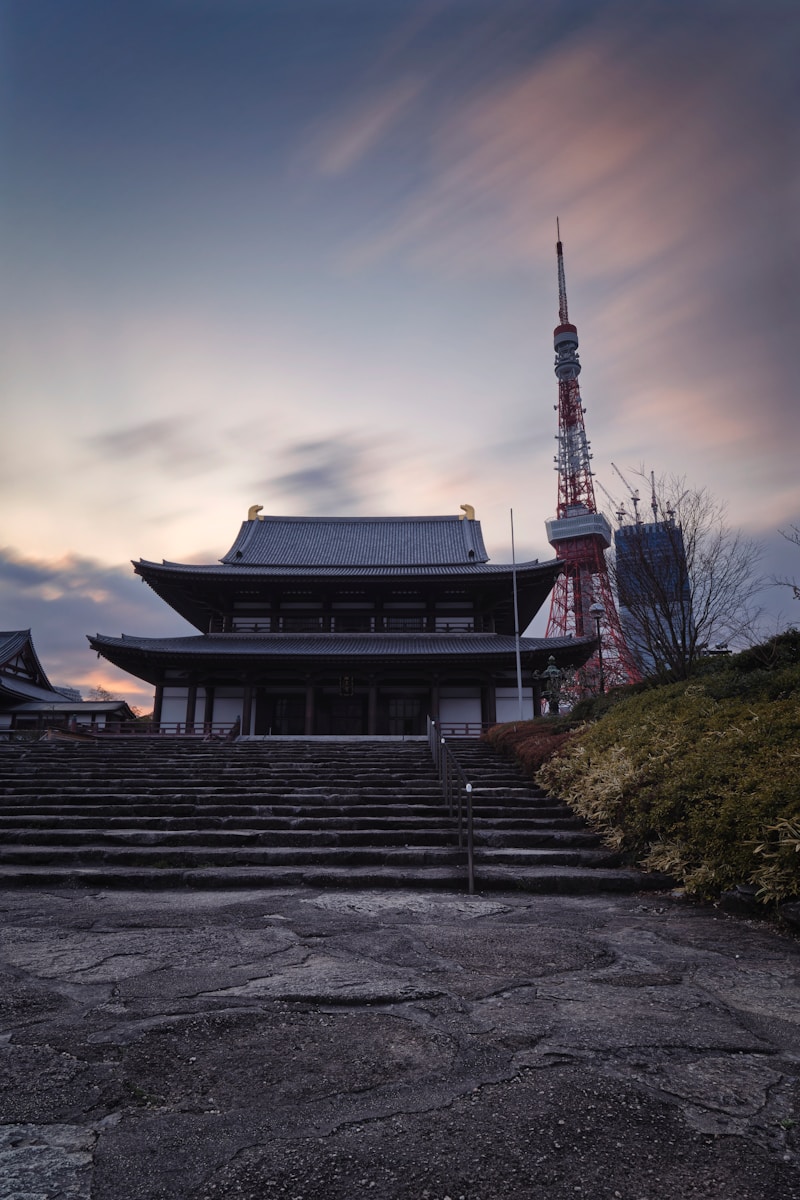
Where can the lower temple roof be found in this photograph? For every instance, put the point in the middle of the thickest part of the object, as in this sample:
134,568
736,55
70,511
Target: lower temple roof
358,645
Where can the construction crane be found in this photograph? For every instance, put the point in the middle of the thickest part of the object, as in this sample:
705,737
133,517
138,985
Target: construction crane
579,534
620,511
634,495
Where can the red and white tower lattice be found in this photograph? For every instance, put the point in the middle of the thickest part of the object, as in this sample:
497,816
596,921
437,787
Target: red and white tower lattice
580,535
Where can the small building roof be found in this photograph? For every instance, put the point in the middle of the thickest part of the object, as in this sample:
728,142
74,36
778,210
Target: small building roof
20,669
81,708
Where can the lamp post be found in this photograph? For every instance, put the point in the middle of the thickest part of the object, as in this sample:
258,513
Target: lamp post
598,612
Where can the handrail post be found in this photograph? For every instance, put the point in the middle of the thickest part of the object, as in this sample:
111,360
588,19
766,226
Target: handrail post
470,843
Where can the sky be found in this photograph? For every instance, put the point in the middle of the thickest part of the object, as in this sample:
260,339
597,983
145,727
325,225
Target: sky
301,253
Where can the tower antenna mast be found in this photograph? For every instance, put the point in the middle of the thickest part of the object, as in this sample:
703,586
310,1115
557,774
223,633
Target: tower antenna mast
579,534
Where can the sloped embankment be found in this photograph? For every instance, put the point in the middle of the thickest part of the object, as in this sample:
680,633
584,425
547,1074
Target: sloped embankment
700,778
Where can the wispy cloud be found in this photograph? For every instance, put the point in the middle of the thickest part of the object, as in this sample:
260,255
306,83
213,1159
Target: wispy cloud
676,180
342,145
166,442
335,475
632,137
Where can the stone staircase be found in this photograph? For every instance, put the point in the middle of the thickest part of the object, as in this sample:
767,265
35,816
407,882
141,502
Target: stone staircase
167,813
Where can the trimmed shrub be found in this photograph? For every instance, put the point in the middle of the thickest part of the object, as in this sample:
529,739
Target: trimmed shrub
531,743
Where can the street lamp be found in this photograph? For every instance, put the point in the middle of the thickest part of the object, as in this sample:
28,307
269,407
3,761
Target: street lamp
598,612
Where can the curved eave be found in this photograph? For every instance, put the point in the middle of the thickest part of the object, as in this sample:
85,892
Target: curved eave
148,658
170,570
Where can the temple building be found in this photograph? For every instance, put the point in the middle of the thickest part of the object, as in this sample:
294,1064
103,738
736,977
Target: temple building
29,703
347,625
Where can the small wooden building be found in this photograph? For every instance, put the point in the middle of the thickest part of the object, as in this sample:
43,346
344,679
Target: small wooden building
29,703
346,625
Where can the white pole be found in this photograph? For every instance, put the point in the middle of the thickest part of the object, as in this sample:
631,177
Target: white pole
516,618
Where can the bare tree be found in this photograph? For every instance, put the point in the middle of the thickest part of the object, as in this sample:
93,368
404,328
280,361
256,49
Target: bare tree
686,582
792,535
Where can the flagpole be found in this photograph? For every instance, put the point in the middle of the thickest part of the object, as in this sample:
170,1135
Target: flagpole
516,619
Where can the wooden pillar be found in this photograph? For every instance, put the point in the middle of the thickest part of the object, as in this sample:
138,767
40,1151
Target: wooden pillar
158,704
488,703
208,709
247,709
309,725
372,707
537,695
191,705
434,700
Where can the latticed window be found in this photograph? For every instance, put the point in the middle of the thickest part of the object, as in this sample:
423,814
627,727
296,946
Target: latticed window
404,624
307,623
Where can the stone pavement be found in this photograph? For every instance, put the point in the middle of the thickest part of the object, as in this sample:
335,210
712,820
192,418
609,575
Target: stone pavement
310,1045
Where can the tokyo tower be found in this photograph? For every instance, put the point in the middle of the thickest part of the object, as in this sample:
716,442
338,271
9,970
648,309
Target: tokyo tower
582,602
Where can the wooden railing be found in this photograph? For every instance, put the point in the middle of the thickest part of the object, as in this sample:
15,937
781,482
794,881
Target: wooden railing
463,729
206,730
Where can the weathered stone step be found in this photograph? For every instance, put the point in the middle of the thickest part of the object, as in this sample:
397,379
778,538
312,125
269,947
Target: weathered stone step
488,838
544,856
489,843
218,838
552,880
263,787
56,822
569,880
429,877
227,811
93,854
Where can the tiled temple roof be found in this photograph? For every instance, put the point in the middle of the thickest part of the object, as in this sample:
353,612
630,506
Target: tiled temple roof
353,542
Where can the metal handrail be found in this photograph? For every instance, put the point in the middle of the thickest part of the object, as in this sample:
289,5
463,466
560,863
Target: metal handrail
457,793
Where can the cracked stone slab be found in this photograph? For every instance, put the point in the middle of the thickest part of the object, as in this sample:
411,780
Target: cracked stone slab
39,1162
585,1015
307,1044
323,979
376,904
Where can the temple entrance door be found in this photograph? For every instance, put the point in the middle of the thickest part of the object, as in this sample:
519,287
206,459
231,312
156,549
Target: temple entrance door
279,715
405,716
342,716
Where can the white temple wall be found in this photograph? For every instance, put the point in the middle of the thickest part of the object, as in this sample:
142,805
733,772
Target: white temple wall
507,701
173,705
228,704
458,705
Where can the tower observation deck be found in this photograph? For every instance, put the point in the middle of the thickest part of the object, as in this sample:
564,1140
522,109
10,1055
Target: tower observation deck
579,534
